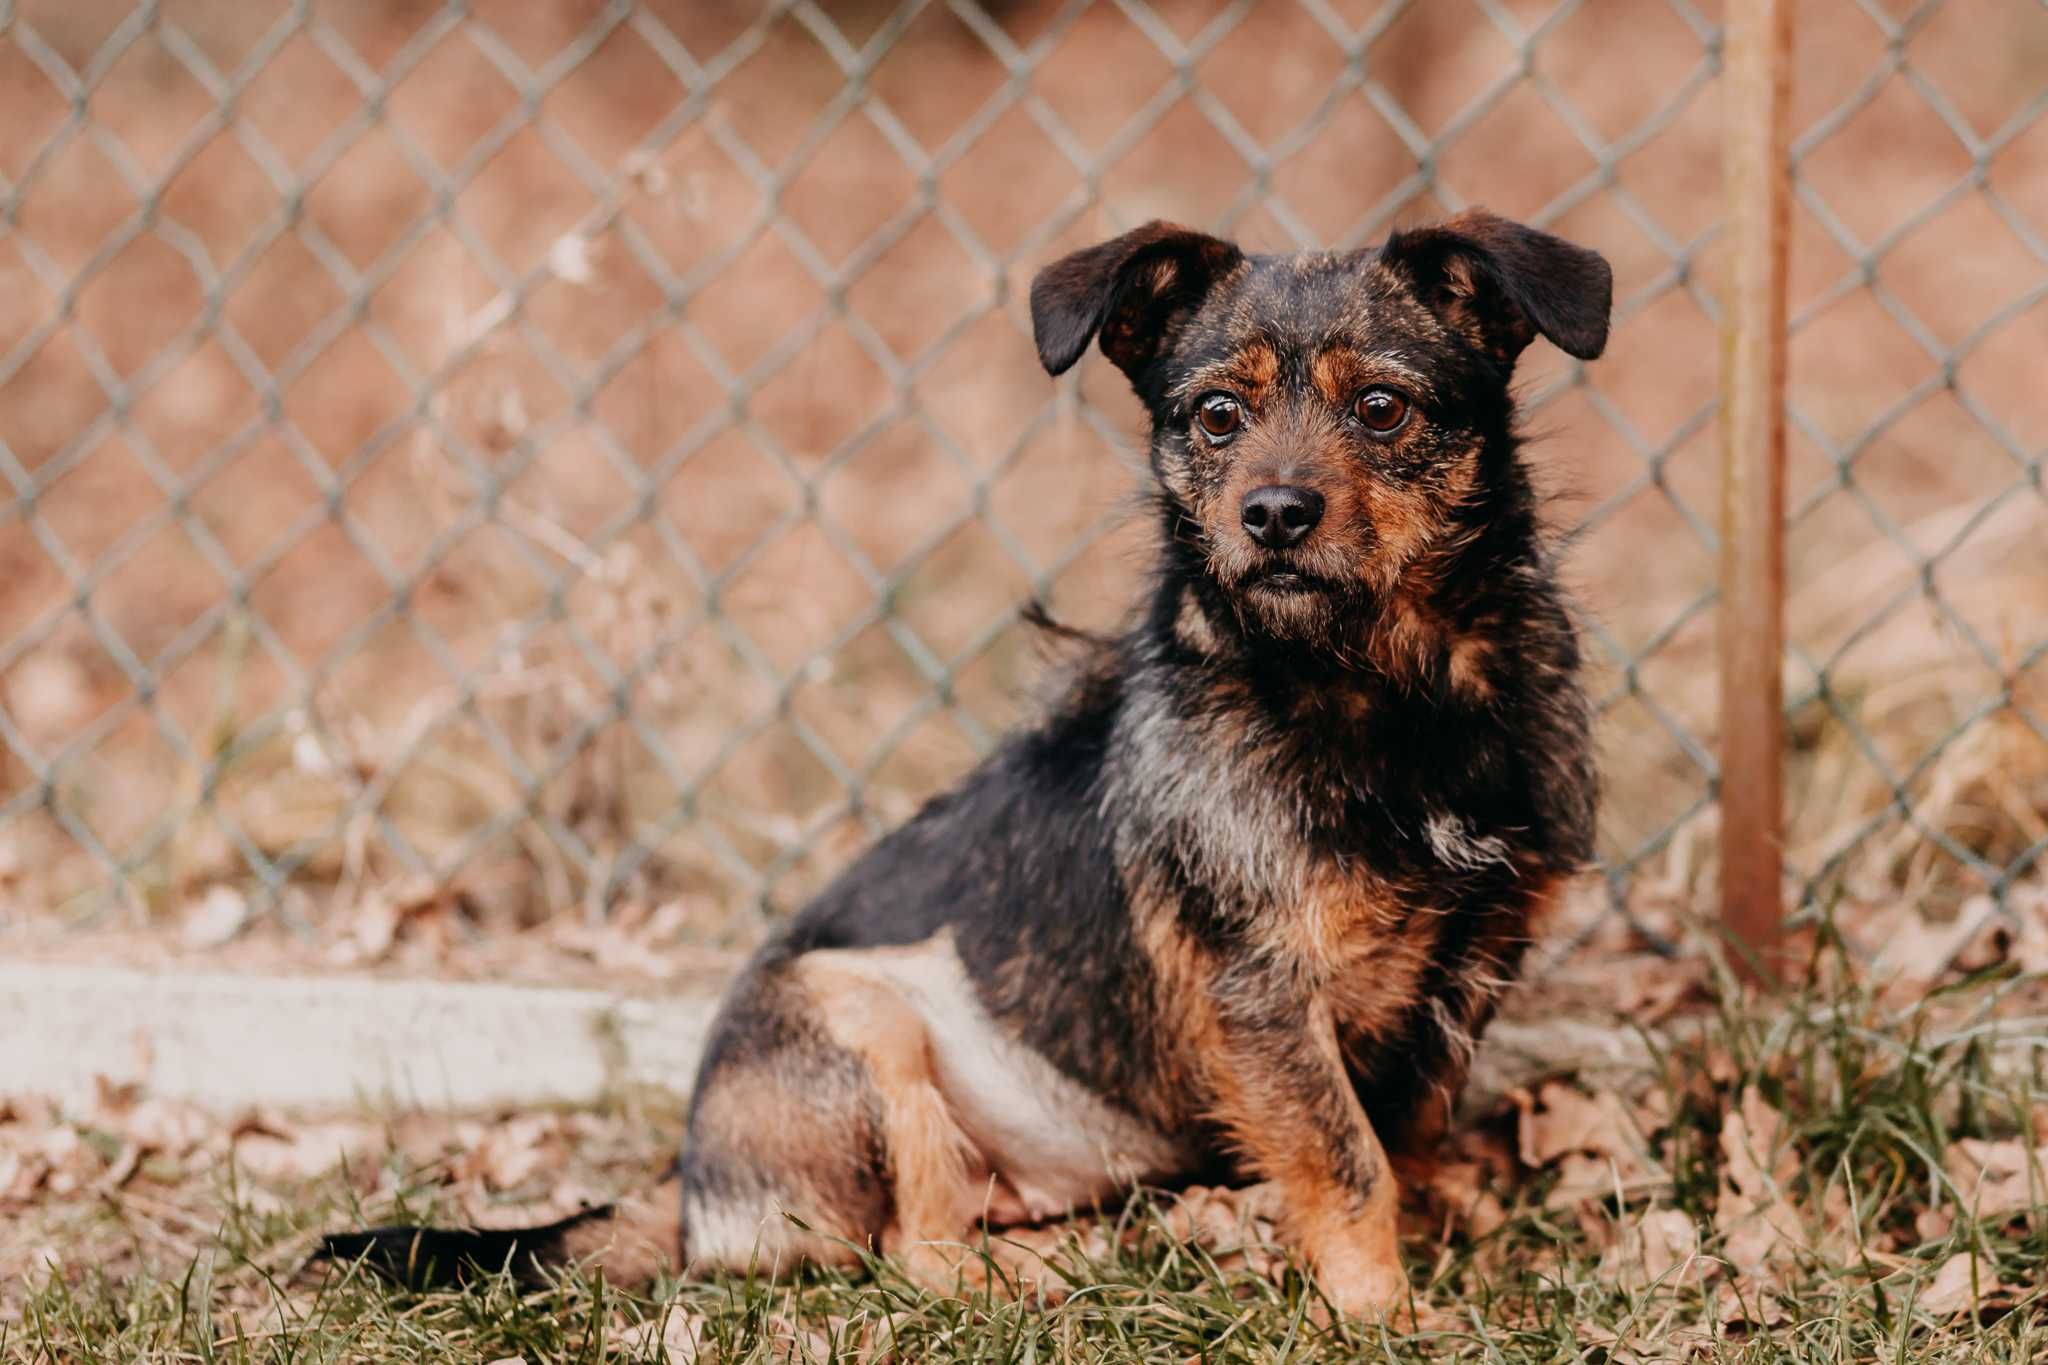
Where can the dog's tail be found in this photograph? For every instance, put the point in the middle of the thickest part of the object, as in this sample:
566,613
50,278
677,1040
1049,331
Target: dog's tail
631,1239
1039,617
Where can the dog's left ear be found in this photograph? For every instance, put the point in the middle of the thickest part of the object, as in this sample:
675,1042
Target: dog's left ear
1136,290
1501,284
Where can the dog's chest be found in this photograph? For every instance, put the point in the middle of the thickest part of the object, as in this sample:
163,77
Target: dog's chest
1202,794
1367,952
1268,812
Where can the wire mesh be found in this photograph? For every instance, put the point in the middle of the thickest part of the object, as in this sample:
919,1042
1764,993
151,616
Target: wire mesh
592,452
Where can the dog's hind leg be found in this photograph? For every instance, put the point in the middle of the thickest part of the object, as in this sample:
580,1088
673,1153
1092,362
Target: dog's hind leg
939,1184
822,1131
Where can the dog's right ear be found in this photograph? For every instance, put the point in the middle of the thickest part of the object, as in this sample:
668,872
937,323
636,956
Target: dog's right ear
1134,290
1502,284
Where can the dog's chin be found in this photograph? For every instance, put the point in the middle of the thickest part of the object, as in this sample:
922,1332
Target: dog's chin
1288,604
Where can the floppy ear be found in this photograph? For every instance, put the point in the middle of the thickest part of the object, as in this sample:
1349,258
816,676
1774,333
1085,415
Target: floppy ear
1500,284
1136,290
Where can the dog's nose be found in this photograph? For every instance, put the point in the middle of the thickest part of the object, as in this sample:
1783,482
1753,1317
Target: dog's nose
1280,514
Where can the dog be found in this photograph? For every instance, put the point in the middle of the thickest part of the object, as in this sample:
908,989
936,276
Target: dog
1238,908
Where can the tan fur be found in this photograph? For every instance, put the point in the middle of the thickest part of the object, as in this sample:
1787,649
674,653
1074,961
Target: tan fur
975,1129
638,1241
1186,973
1378,967
1351,1243
940,1185
1364,956
1257,367
1340,373
1250,374
1192,628
1471,657
736,1236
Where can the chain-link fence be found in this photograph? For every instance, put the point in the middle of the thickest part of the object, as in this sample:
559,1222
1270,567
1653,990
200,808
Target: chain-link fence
581,452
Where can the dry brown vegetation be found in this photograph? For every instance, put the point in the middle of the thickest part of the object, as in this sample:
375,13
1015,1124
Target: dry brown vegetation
729,427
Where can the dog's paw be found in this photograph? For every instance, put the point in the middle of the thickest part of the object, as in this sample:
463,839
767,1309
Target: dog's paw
1373,1294
1358,1268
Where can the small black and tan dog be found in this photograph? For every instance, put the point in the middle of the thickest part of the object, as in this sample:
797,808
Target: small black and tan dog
1238,908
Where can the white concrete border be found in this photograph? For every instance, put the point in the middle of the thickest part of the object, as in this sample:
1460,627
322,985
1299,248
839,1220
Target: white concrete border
228,1040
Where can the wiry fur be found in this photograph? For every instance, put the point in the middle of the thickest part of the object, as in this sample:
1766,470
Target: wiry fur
1241,904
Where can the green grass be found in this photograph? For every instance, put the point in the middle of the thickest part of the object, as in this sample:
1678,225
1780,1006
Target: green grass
1872,1095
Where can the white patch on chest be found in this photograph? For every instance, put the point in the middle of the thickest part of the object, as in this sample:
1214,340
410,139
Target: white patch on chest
1456,846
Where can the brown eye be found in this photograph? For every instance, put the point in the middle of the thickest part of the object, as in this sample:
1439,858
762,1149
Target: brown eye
1219,415
1381,410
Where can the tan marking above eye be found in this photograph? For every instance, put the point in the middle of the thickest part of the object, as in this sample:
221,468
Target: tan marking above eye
1259,364
1334,373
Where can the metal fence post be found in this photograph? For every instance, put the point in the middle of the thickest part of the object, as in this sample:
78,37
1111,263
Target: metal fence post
1757,88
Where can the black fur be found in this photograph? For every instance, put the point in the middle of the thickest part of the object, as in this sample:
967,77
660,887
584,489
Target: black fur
426,1258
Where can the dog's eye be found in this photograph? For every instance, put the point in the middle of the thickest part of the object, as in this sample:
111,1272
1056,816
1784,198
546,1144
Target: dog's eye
1382,411
1219,415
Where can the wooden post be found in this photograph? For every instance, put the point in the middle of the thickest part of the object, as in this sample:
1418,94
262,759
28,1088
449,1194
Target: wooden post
1756,90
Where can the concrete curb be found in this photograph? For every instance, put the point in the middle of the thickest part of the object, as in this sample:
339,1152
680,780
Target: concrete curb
227,1040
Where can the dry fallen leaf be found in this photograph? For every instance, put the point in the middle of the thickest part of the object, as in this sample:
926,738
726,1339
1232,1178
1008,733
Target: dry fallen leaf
1460,1189
1760,1228
125,1164
1965,1282
678,1333
1754,1306
1915,951
418,906
1560,1118
69,1162
1934,1225
2029,907
2030,942
165,1126
1592,1140
1650,989
1998,1177
20,1174
507,1154
1236,1225
1661,1246
272,1148
616,950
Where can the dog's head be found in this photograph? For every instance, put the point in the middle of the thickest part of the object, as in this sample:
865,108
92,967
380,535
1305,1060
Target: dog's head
1320,422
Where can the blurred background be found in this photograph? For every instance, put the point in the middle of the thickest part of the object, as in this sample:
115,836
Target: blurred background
581,461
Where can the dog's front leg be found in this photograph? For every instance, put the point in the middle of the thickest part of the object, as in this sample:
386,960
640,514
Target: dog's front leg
1283,1095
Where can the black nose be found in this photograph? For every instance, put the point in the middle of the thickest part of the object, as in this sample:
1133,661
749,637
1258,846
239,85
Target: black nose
1280,514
